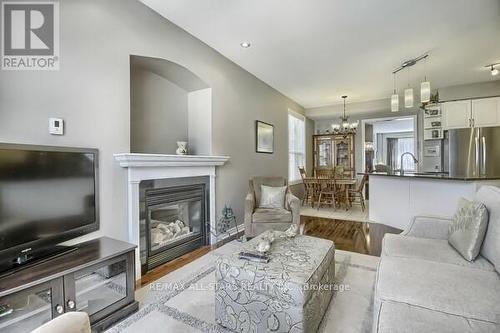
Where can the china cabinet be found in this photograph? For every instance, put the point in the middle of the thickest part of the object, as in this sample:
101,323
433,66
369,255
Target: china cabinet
333,150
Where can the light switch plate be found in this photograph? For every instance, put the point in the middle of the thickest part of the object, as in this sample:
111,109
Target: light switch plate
56,126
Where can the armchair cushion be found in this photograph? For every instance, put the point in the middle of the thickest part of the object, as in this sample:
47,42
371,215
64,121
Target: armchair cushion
257,182
272,197
271,215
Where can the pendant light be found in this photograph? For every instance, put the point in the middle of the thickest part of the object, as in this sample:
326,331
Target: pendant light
395,98
425,87
408,94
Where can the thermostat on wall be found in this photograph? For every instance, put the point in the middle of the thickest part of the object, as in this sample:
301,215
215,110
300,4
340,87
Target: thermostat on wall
56,126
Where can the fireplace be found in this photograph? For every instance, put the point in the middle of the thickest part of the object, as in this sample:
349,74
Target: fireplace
173,218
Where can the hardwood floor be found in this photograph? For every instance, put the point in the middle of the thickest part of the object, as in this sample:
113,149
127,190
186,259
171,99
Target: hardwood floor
361,237
173,265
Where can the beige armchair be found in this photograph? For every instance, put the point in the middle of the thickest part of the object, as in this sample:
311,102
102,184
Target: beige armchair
258,220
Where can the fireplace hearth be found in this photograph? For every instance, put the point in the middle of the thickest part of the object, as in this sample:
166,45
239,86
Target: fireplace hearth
173,218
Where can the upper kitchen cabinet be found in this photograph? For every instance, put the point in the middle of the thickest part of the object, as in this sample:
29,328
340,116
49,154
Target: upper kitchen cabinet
457,114
486,112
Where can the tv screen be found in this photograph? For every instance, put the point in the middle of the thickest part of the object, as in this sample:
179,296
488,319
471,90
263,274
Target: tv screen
47,195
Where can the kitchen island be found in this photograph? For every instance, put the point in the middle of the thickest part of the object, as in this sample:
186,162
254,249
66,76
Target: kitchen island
395,198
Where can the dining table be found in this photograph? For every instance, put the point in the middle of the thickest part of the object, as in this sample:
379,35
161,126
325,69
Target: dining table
345,183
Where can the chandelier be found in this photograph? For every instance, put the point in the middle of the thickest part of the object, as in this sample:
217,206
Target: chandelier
345,127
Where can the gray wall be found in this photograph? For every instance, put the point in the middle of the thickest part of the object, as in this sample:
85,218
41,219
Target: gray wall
92,93
158,113
474,90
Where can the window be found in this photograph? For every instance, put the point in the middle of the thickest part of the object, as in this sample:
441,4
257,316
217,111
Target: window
296,145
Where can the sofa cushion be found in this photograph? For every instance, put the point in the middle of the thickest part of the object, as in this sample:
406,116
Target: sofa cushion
490,197
437,250
263,215
455,290
468,228
401,317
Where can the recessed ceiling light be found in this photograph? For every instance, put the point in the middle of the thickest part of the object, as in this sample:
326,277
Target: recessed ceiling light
245,45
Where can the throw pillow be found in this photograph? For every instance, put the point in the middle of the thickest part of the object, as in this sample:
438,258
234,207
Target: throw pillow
468,228
272,197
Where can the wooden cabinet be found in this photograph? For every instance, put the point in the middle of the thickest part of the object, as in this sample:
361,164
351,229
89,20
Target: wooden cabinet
331,150
97,278
484,112
457,114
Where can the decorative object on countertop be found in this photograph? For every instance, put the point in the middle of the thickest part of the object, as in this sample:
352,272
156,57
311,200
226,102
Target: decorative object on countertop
182,148
264,137
345,127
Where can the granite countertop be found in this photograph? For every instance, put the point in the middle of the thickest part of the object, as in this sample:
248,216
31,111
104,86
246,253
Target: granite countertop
432,175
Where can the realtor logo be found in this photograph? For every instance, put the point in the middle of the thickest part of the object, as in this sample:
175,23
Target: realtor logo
30,35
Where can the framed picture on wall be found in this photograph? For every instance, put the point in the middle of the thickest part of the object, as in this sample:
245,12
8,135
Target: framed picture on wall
264,137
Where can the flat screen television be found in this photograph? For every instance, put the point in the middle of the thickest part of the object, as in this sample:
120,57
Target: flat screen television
48,195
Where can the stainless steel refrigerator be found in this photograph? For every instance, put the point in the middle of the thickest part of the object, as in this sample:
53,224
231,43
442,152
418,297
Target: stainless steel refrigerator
474,152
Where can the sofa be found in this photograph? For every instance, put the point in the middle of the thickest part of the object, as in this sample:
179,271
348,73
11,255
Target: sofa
258,220
424,285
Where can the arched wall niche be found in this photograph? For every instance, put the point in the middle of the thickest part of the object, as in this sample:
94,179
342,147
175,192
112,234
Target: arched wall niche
168,103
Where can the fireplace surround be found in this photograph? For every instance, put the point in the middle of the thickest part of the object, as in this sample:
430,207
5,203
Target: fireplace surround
173,218
143,167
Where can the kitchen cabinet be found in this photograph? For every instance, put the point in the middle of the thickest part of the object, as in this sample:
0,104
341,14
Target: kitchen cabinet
457,114
484,112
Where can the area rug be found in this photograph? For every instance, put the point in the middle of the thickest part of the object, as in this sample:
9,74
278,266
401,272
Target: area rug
183,301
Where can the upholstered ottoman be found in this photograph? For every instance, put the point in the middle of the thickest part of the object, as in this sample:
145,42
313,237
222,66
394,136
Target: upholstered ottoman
289,294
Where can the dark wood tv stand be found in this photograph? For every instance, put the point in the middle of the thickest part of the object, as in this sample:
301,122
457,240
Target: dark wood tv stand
98,278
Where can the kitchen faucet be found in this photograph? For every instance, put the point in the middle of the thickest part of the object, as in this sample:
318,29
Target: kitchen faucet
402,171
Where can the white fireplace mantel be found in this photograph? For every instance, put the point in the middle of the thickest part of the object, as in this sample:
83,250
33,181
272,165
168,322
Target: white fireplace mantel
160,166
134,160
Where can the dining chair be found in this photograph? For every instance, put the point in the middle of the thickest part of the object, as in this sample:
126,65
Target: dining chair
310,185
356,194
328,192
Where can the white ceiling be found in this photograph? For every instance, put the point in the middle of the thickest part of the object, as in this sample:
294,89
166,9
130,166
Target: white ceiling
314,51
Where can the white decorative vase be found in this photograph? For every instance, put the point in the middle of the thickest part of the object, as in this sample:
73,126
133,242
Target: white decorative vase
181,148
